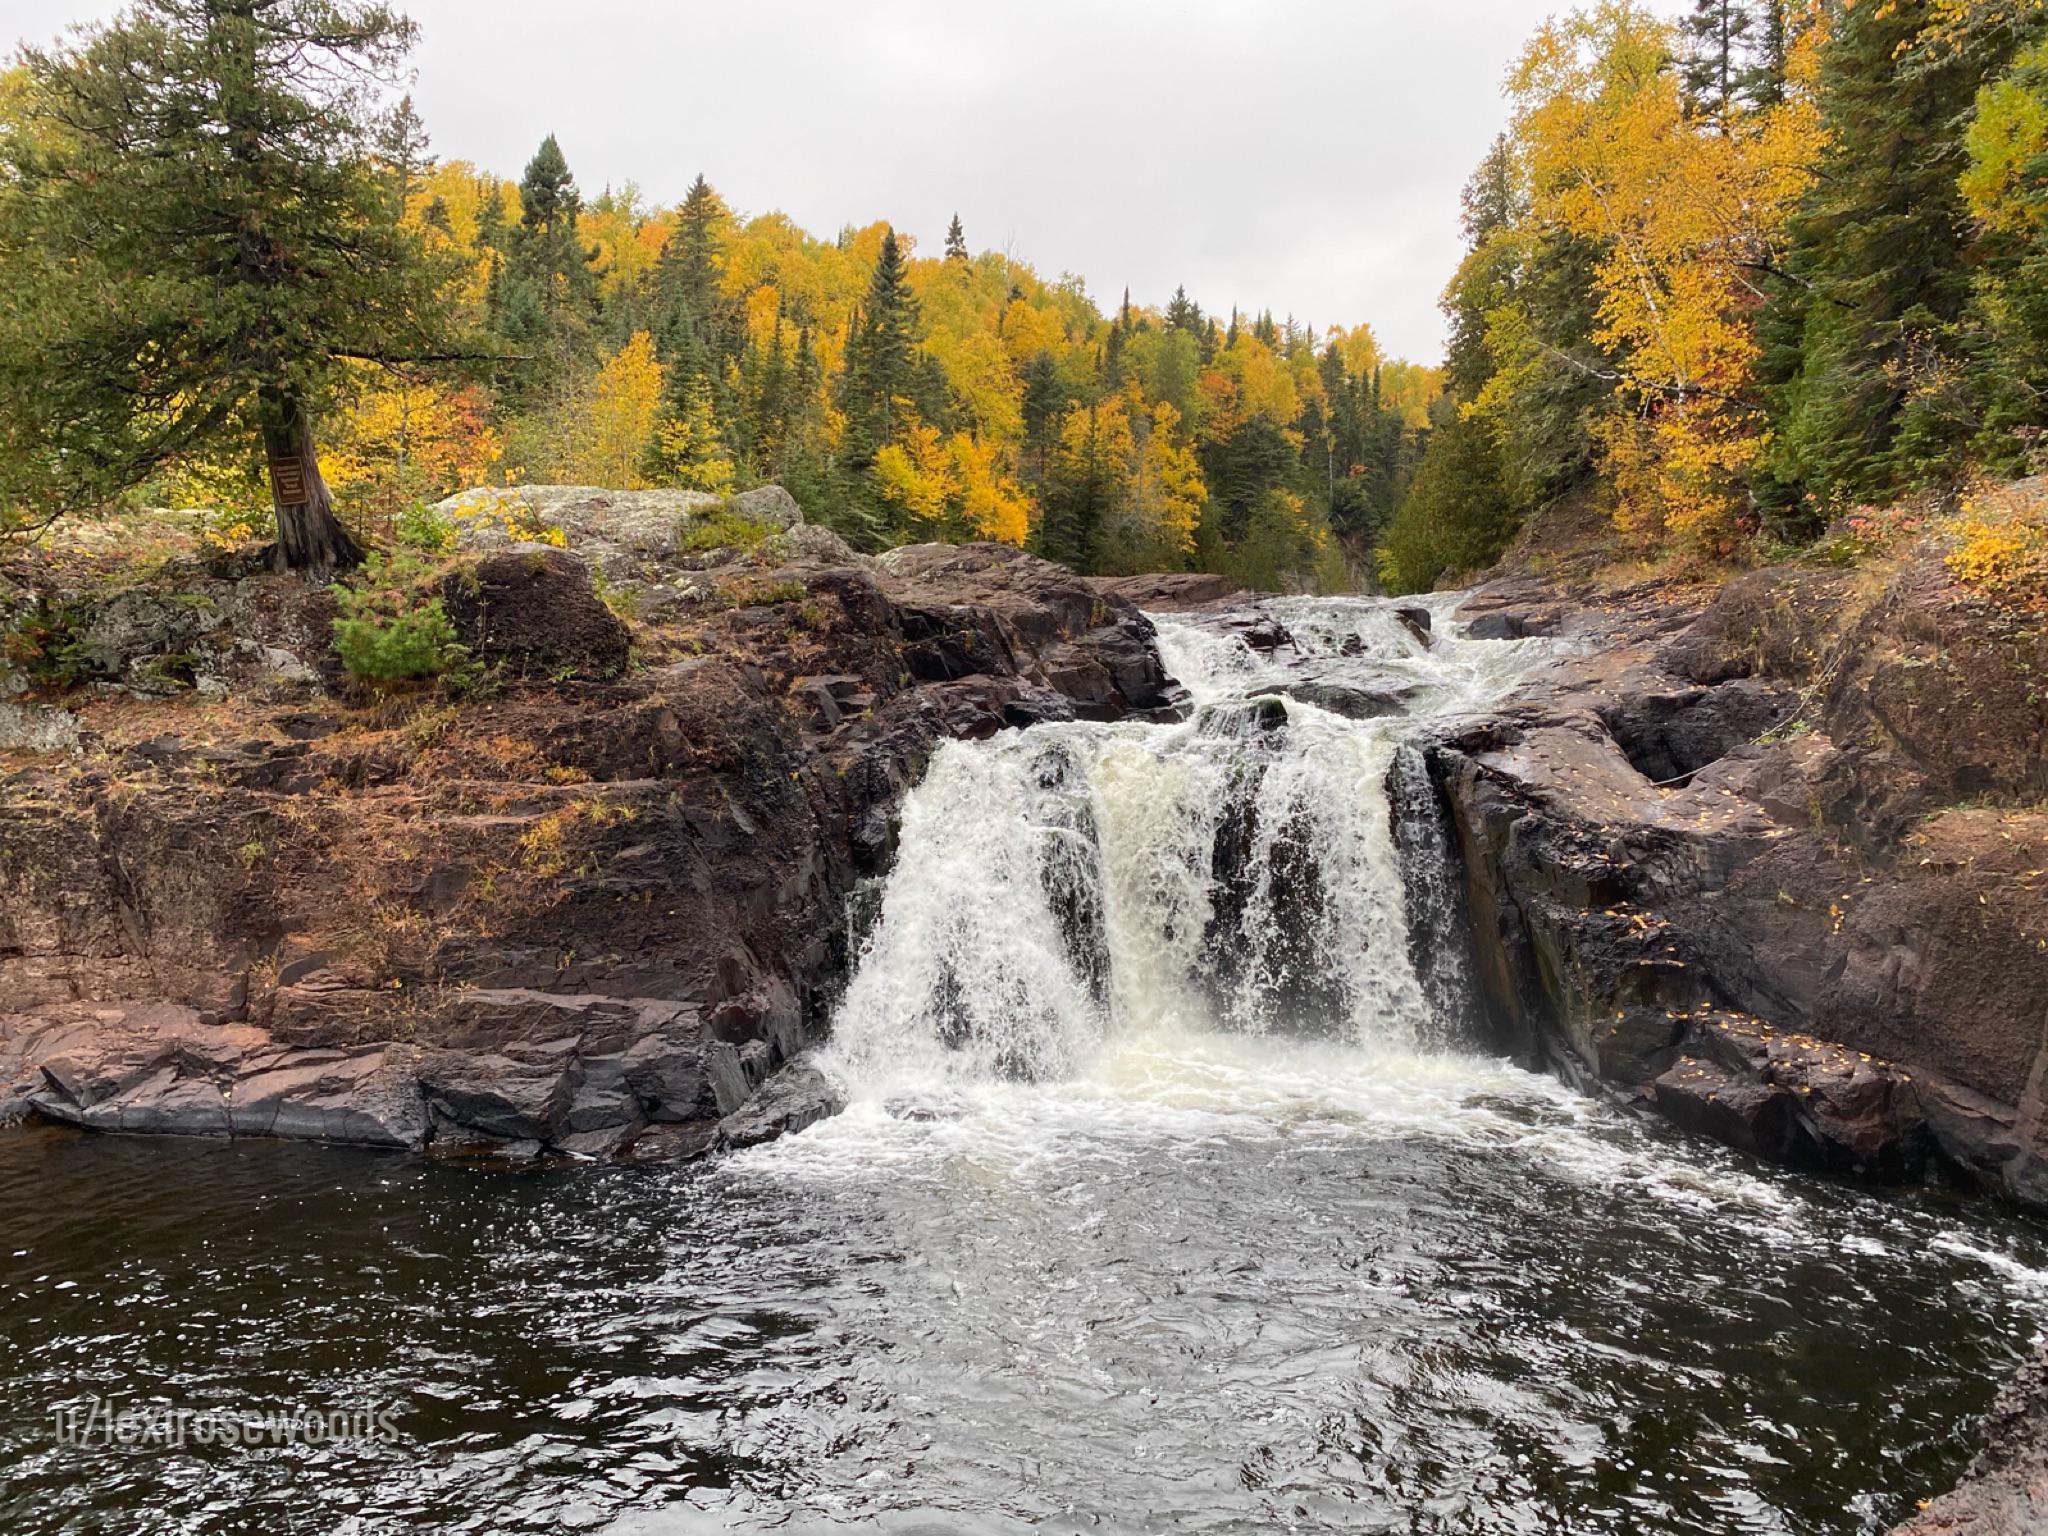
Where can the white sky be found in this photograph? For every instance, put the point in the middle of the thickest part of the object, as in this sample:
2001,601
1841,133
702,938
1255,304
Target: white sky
1298,155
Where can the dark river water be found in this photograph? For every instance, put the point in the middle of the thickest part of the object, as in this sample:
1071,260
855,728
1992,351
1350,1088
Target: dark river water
1165,1201
1465,1302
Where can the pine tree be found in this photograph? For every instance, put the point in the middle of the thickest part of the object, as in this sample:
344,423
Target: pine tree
956,241
881,369
1716,33
199,240
1878,274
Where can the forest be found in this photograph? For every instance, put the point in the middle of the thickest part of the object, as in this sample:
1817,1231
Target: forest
1728,280
541,334
1746,277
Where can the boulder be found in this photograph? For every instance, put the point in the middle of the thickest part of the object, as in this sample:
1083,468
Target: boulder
768,504
1170,592
532,609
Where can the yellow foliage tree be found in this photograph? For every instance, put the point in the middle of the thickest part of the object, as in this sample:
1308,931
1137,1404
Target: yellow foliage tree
688,451
916,474
990,501
615,419
1168,488
1686,210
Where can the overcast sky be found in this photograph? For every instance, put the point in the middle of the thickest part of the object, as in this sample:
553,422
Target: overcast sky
1298,155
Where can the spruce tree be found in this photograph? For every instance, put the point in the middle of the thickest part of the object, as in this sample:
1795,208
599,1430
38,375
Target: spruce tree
881,369
550,254
956,241
196,242
1044,407
1717,34
689,330
1878,271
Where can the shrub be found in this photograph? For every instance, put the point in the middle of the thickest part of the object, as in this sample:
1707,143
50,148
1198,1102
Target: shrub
391,627
46,644
1998,544
509,511
425,528
721,530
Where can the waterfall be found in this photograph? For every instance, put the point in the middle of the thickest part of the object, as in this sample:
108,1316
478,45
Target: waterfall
1268,864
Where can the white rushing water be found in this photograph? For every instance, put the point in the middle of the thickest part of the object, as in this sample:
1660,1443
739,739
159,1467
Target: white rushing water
1243,870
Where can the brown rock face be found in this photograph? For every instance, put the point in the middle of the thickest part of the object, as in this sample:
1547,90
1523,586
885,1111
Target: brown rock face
605,903
1720,865
2005,1492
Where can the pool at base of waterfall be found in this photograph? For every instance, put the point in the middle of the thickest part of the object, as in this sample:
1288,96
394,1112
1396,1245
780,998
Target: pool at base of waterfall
1171,1196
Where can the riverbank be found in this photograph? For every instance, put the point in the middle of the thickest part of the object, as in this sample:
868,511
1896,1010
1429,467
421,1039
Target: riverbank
1772,859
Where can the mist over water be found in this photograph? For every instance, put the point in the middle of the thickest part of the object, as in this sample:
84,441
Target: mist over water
1172,1196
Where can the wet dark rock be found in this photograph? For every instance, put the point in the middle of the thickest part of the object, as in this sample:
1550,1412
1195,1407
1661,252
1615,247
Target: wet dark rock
1352,700
1260,631
1699,876
1170,592
2005,1492
1416,620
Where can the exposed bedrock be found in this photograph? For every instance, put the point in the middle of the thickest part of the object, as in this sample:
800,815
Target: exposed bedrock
2005,1492
595,907
1774,866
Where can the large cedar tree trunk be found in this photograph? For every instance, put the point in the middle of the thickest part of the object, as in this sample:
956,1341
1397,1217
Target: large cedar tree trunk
309,536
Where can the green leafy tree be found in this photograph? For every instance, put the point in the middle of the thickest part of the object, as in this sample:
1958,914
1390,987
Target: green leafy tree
1455,518
195,239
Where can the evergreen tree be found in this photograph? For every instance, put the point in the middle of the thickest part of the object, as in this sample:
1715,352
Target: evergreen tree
1184,314
1456,517
1868,400
1717,35
956,241
1044,407
402,146
195,240
689,332
881,370
688,449
1763,83
549,253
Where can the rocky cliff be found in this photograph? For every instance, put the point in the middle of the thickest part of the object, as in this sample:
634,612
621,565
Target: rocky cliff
595,903
1773,861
